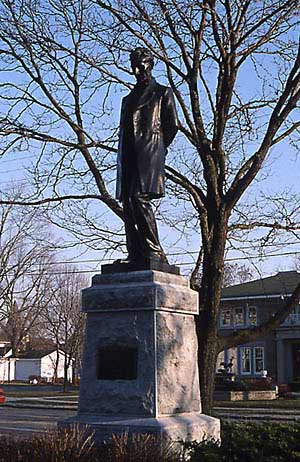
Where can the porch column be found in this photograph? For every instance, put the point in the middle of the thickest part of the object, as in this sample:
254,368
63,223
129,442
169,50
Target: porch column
280,361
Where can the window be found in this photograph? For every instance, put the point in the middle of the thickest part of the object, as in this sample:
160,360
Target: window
225,317
258,360
252,360
252,315
3,350
239,316
294,317
246,360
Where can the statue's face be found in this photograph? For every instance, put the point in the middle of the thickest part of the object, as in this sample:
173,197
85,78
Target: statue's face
142,70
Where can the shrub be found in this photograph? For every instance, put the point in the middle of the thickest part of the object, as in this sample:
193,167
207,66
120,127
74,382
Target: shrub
35,379
251,442
76,445
246,442
231,386
256,384
140,448
283,389
72,445
294,386
247,384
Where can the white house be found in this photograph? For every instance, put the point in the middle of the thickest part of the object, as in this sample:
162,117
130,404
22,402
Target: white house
37,360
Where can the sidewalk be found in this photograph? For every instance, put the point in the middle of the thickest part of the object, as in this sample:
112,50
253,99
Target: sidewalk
224,413
51,402
257,414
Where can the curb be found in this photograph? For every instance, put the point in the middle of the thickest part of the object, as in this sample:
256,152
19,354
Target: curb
38,406
261,417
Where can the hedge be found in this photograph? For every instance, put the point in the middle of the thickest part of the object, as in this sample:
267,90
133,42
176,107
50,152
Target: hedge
251,442
243,442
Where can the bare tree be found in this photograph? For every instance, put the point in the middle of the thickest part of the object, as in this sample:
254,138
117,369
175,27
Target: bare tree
24,280
235,273
63,318
51,111
234,69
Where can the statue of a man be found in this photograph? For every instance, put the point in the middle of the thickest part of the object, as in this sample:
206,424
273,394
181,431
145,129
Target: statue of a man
148,125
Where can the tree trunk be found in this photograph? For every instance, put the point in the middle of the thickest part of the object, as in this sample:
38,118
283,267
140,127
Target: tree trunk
54,378
65,374
209,304
8,370
207,359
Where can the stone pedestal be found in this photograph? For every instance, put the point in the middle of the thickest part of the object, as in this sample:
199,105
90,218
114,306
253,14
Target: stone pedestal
140,371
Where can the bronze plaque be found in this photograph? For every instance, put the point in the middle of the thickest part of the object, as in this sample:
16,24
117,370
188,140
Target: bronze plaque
117,363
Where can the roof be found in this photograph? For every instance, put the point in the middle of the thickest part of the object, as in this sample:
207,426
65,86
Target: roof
37,347
281,284
35,354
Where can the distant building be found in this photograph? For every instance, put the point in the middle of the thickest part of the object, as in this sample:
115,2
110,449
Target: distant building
250,304
4,345
40,359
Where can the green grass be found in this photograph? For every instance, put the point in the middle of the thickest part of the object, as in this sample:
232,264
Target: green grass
279,403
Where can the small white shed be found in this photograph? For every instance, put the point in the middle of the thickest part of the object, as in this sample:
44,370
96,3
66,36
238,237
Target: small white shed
41,363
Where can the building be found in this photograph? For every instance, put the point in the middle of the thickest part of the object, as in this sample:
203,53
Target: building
4,345
40,358
250,304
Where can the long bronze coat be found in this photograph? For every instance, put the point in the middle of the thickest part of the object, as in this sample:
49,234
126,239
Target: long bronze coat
155,125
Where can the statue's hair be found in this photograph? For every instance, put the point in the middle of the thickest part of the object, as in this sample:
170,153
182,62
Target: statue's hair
140,53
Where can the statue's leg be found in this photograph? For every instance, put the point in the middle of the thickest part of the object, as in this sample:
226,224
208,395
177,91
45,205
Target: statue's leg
146,225
133,243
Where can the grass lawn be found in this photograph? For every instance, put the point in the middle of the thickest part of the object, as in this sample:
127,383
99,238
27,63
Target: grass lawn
279,403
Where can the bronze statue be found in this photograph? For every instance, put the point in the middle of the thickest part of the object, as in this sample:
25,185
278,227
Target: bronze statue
148,125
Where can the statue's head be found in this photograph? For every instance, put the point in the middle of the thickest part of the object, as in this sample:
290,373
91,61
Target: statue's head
142,64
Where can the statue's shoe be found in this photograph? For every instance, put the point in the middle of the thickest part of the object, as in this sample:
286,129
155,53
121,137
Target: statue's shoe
130,259
157,256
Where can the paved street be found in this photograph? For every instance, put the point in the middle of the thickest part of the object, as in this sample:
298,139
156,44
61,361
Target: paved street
25,421
22,422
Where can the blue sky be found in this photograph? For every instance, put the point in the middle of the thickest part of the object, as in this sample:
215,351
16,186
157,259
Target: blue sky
282,171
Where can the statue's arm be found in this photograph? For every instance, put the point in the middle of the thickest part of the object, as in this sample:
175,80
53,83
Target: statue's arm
169,117
122,112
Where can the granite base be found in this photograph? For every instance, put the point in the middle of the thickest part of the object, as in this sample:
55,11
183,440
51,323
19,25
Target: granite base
182,427
140,372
